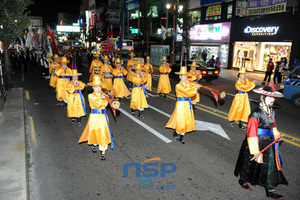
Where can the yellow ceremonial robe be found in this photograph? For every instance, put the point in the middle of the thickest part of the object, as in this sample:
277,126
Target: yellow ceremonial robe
182,119
149,71
192,78
164,81
95,68
62,82
240,107
130,65
106,69
119,87
96,130
76,106
138,99
53,77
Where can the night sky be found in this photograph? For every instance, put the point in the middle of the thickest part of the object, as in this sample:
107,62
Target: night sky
49,9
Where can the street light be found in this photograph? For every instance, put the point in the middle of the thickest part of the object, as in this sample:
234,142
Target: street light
168,6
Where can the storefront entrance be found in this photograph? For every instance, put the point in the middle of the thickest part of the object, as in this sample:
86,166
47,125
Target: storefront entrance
199,52
255,55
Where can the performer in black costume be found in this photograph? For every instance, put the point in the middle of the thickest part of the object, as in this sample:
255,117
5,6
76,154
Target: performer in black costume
265,169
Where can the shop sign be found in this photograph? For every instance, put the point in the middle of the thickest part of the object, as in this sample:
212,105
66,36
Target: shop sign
214,10
205,2
218,31
260,7
261,31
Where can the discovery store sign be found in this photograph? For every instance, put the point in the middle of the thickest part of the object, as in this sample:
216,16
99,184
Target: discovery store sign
261,31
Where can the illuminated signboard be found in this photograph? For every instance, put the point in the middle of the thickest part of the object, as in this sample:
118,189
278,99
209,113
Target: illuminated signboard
262,30
60,28
214,10
218,31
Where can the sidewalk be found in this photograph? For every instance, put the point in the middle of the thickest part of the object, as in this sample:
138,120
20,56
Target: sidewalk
12,146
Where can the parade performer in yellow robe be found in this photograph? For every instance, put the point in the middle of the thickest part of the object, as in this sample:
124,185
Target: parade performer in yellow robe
138,100
182,119
130,64
240,108
97,131
95,67
119,90
62,81
106,75
149,70
76,102
193,77
53,66
164,86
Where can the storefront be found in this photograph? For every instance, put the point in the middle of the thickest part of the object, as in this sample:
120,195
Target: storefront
209,40
254,42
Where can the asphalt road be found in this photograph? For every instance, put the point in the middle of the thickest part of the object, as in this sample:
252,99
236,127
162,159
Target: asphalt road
60,168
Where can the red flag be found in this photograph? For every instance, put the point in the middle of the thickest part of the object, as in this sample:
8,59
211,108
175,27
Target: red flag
215,95
48,32
108,33
55,48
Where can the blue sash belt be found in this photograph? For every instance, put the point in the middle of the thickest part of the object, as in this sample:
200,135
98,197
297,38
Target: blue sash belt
65,77
122,77
82,102
104,111
185,99
266,132
240,92
196,80
142,85
97,67
261,131
164,73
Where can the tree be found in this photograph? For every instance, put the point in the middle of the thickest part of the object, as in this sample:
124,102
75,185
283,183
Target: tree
185,25
14,20
146,20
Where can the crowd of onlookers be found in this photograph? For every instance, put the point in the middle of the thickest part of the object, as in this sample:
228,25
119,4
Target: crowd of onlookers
281,69
23,60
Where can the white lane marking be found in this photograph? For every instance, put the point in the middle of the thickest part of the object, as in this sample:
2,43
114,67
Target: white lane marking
160,111
154,132
200,125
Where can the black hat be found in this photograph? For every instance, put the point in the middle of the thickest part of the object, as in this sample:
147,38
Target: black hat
268,91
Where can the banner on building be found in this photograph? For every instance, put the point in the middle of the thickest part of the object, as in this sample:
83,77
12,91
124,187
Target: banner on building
260,7
113,16
214,10
205,2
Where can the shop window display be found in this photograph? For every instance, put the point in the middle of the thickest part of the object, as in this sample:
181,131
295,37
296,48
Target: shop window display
255,55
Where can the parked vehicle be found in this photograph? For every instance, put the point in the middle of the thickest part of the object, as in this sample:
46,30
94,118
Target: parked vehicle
291,87
208,73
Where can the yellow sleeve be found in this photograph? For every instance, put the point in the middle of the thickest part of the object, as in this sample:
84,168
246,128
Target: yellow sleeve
96,102
247,86
81,85
124,72
188,91
70,87
169,69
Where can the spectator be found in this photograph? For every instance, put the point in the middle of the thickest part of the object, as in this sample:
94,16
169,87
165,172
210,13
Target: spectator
204,55
277,74
212,61
269,71
218,63
79,59
25,62
90,57
297,61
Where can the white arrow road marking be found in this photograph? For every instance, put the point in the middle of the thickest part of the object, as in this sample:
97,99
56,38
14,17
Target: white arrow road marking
154,132
200,125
